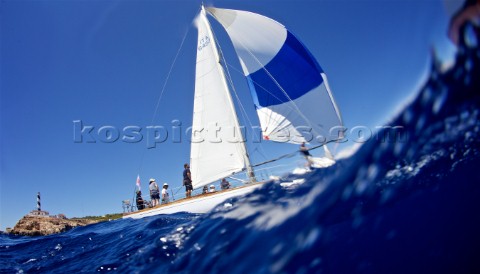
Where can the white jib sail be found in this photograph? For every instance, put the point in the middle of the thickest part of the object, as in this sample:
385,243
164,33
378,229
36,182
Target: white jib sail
217,148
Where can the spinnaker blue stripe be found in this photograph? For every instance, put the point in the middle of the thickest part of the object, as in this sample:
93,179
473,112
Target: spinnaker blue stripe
294,69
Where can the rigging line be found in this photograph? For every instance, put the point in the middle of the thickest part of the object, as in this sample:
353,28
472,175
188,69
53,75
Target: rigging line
262,152
162,92
230,81
278,85
268,161
178,189
281,88
237,179
281,119
244,112
271,167
259,152
273,95
291,154
168,75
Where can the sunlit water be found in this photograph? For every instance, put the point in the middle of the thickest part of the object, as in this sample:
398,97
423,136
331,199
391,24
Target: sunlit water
404,205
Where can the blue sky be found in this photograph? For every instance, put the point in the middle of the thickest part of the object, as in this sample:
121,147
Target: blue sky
106,62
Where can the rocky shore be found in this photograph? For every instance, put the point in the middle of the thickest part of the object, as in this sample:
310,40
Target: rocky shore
46,225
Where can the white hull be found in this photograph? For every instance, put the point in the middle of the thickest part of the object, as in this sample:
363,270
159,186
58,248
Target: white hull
198,204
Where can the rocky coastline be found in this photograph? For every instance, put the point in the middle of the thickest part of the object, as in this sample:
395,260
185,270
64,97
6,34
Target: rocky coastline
46,225
40,223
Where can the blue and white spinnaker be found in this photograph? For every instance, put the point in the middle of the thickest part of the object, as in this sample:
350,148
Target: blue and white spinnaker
290,90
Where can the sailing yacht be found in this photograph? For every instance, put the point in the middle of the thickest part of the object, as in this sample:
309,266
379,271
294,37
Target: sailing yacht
290,91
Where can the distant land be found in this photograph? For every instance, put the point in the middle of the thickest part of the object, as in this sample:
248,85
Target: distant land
37,224
40,223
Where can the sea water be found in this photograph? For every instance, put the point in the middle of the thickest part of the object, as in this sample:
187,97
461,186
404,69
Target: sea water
404,205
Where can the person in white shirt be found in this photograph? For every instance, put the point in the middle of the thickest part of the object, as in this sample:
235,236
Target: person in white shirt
165,196
212,188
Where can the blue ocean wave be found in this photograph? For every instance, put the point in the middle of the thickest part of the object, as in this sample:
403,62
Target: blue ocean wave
407,205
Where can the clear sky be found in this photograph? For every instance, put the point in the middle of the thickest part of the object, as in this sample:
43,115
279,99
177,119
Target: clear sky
105,63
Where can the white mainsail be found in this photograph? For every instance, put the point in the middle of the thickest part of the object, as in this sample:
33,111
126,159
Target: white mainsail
217,149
